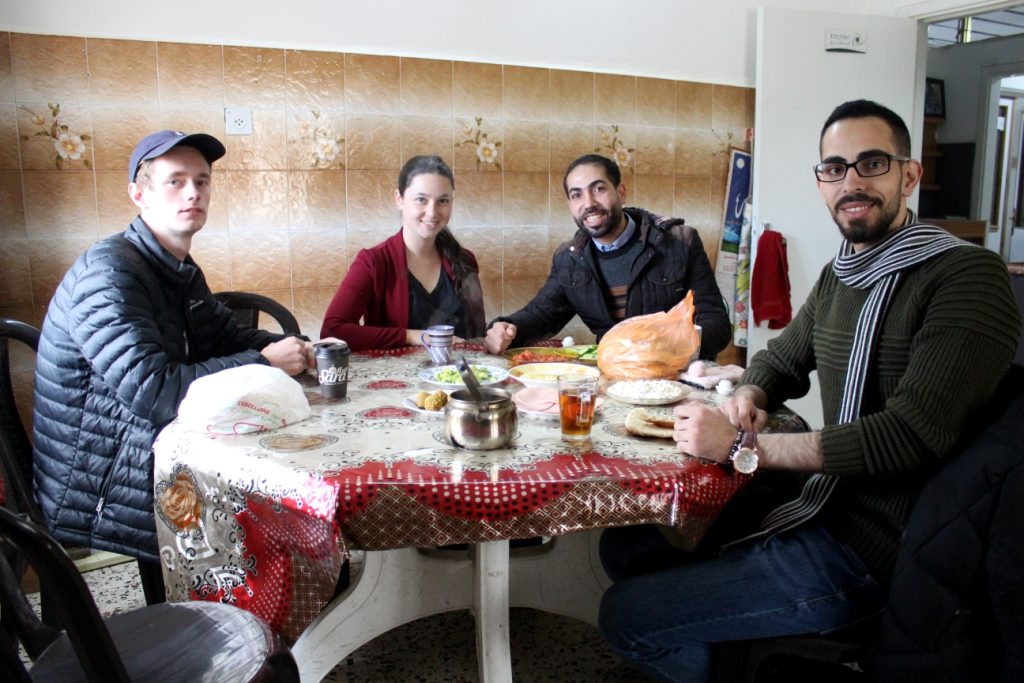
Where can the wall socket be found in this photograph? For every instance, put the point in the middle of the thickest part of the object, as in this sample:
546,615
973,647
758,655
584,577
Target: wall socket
238,121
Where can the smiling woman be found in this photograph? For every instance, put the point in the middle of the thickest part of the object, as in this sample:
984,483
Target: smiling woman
419,277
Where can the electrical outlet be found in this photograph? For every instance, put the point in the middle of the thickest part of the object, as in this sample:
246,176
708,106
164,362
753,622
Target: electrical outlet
238,121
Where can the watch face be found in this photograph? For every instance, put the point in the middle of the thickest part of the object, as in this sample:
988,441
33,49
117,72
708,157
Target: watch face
745,460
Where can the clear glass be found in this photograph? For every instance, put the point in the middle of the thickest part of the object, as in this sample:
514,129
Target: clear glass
577,398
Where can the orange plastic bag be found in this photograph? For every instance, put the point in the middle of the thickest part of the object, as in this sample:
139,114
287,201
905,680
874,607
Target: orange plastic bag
654,346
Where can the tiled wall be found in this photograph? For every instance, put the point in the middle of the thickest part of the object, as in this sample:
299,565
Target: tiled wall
295,201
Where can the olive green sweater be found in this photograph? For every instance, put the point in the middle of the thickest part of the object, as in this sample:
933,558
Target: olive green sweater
947,339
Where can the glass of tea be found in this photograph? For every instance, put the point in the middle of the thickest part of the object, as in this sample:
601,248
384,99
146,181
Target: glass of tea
577,398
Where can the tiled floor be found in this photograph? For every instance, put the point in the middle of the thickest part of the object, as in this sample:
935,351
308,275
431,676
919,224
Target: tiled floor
545,647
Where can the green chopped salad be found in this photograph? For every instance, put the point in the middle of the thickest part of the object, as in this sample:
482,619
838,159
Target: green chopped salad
452,375
588,352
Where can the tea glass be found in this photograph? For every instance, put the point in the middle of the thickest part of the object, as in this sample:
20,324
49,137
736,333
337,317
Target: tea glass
577,398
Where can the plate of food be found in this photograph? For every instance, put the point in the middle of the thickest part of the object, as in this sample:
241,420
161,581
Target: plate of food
427,402
448,375
546,374
542,402
539,354
585,353
648,392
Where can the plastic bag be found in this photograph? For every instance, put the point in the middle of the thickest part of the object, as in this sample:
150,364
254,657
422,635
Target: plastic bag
249,398
653,346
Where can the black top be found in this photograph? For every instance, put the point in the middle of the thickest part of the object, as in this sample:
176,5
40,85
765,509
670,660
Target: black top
439,307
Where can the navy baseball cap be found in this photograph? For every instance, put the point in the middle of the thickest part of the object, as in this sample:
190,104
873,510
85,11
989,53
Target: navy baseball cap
159,143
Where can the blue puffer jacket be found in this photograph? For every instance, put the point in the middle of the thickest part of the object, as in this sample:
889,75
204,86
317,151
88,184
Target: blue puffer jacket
126,333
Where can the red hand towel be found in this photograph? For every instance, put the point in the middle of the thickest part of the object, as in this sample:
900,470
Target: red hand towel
769,287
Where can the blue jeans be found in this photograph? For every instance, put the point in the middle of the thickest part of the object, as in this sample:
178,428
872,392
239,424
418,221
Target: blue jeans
665,621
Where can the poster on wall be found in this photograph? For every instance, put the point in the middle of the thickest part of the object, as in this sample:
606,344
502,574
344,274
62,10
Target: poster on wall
737,192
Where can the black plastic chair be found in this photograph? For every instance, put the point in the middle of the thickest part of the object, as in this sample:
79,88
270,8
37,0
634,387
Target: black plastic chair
193,641
15,447
247,307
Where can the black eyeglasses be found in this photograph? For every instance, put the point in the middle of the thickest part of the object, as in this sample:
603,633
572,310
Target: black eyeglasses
868,167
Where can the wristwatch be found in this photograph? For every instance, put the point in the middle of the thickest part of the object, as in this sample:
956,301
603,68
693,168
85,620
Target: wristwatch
744,452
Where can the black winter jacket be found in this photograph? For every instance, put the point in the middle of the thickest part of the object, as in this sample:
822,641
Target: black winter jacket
672,262
127,331
956,605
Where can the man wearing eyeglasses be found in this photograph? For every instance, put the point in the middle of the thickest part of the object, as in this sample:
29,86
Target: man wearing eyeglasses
910,330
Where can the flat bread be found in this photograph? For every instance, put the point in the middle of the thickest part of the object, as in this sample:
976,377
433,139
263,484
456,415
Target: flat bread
643,423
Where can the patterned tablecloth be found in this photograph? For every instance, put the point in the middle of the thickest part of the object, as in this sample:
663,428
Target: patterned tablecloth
265,521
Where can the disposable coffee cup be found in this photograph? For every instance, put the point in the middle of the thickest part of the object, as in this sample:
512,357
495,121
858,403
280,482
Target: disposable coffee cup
332,368
437,339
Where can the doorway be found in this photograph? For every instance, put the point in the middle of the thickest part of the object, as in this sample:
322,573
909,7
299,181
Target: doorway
1007,177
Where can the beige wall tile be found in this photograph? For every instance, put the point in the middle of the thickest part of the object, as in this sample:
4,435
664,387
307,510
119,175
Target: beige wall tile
309,307
15,273
655,151
12,206
265,149
190,74
212,251
373,142
60,205
257,201
209,120
37,123
319,258
470,134
526,146
50,69
50,259
10,157
526,93
253,77
492,287
729,108
6,70
560,221
316,139
260,261
693,105
315,80
316,201
427,87
618,143
477,199
572,96
114,207
716,206
427,135
371,207
724,142
519,291
485,243
372,84
654,193
525,199
569,141
477,89
655,102
122,72
116,131
616,99
693,200
694,151
525,251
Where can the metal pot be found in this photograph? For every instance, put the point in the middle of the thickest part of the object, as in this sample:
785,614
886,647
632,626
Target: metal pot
480,427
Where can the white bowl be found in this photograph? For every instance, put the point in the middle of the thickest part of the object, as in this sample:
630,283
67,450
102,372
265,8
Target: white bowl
546,374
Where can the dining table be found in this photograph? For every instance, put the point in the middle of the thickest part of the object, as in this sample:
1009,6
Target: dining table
267,520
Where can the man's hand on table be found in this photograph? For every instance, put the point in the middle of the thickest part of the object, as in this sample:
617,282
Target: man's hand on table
709,433
292,354
499,337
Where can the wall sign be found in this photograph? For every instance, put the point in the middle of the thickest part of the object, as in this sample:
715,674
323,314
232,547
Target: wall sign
844,40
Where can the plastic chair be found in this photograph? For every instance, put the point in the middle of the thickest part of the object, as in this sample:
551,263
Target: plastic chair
192,641
247,308
15,447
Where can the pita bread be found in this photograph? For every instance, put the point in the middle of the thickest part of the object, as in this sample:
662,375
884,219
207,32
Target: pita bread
644,423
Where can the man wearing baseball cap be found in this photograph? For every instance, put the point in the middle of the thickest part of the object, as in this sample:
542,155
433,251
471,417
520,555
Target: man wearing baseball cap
130,327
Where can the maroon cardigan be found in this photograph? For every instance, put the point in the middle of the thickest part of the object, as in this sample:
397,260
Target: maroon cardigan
376,291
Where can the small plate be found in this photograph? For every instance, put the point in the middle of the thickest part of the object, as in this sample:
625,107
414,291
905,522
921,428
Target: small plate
410,403
546,374
494,375
646,386
542,402
539,354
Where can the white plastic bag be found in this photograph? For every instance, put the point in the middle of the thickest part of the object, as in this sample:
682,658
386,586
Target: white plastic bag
249,398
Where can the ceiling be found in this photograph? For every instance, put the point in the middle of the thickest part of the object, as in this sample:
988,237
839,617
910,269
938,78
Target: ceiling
1004,22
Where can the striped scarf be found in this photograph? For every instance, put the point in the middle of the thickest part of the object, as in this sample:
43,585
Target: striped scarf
877,269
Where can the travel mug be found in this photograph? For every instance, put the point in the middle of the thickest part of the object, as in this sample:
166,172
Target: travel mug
332,368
